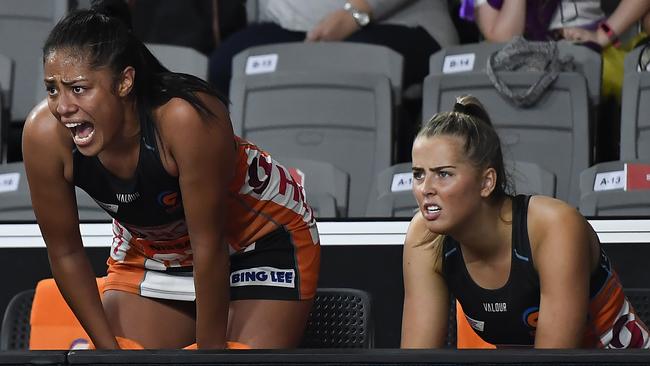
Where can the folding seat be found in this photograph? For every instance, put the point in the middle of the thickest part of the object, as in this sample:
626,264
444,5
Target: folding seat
554,133
602,191
40,319
16,203
293,100
635,107
6,86
181,59
326,186
24,25
391,194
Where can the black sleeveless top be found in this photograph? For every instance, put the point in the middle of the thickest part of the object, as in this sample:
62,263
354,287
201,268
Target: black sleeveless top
151,198
507,315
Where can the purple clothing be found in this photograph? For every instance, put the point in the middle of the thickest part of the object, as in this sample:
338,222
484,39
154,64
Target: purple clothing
538,16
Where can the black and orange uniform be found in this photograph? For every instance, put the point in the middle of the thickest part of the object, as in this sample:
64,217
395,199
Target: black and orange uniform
507,316
270,228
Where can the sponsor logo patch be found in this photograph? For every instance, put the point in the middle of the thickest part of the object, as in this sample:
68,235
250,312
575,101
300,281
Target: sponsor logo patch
263,276
476,324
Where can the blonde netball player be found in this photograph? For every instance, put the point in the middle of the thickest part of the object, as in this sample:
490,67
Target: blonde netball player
213,239
527,270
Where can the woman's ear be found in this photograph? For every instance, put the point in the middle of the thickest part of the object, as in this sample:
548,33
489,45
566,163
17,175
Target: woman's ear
127,81
488,182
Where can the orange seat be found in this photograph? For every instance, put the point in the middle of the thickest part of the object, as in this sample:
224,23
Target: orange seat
53,325
466,337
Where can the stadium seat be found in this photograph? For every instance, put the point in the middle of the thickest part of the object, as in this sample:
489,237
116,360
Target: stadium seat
344,118
25,25
181,59
391,194
340,318
561,116
635,109
6,87
40,319
325,185
16,203
317,57
611,199
587,62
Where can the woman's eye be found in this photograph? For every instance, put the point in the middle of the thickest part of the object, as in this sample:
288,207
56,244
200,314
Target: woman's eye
443,174
417,175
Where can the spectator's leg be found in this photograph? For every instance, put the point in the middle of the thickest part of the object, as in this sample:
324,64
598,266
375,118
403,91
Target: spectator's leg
413,43
253,35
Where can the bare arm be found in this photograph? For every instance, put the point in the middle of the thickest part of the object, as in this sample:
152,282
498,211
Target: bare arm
426,298
561,255
204,152
500,25
54,203
626,14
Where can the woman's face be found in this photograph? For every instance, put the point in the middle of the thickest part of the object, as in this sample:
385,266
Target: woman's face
85,100
446,185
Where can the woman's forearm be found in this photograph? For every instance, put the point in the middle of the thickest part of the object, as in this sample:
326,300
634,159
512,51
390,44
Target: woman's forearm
76,281
212,286
500,25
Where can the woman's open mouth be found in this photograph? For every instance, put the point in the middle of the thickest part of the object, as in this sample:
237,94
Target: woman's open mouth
82,132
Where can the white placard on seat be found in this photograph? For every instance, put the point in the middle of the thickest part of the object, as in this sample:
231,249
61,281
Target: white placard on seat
402,182
458,63
261,64
606,181
9,182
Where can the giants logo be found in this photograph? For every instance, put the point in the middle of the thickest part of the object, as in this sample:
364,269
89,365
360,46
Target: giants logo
262,172
530,317
170,200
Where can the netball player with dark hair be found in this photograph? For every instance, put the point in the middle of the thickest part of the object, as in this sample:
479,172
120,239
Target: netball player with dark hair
213,239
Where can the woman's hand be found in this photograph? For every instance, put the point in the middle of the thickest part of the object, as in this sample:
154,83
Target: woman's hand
336,26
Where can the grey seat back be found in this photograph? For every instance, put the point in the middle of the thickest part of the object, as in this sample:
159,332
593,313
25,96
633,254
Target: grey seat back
391,193
181,59
530,178
341,118
24,26
324,185
6,87
16,202
554,134
345,57
473,58
602,191
635,109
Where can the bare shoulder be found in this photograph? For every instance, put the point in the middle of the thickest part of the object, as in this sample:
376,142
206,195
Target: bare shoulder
40,121
43,134
552,217
545,210
181,113
421,245
417,231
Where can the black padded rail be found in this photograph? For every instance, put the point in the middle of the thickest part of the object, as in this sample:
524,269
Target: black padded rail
362,357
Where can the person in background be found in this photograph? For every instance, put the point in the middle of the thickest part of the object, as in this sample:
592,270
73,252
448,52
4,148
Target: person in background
199,24
415,29
526,270
213,239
